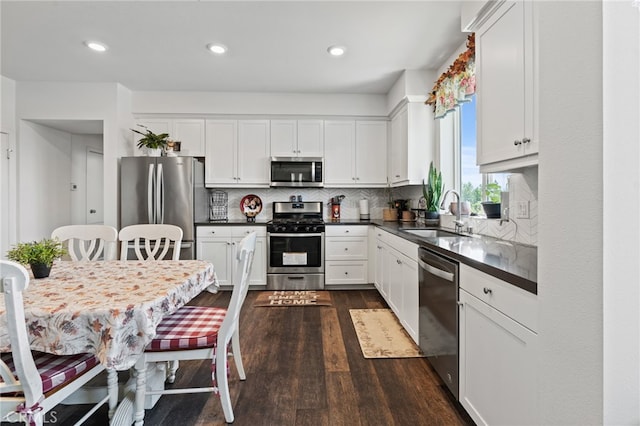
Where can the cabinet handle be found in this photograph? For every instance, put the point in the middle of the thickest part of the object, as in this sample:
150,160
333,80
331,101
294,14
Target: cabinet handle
460,304
487,290
517,142
526,140
346,249
399,262
357,178
346,231
213,232
346,273
397,176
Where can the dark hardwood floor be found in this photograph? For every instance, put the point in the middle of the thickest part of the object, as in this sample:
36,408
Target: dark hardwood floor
304,367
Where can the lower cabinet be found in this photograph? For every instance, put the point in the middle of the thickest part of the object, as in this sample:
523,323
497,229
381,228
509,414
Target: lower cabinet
346,255
397,278
217,244
498,354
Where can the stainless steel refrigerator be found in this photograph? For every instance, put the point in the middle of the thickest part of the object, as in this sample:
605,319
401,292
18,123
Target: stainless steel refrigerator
164,190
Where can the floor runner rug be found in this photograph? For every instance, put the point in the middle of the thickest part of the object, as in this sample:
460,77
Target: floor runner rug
293,298
381,335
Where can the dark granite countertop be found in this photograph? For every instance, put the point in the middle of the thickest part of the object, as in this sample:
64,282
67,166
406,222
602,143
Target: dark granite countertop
231,223
509,261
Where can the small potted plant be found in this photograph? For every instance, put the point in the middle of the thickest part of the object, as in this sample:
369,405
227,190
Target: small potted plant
492,206
153,143
38,254
390,213
432,192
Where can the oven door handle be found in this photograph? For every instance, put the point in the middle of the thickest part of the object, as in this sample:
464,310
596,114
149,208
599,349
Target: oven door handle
301,234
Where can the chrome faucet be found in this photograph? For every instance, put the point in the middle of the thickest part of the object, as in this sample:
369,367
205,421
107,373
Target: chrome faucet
458,222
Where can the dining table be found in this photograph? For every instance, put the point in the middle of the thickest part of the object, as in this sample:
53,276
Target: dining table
107,308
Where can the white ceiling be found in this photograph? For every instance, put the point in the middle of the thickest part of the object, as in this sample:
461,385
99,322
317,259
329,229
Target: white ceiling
273,46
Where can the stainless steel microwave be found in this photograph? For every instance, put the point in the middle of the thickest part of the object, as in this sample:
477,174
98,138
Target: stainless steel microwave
296,171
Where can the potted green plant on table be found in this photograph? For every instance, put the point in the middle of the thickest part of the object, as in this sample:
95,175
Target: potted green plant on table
492,207
432,192
153,143
38,254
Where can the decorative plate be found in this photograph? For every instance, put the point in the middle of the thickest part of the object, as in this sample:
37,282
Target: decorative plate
250,205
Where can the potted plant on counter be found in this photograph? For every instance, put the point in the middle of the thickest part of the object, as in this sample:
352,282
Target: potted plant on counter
432,192
37,254
153,143
492,206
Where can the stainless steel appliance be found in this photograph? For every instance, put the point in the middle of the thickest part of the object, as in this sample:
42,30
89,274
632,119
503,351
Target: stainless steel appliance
164,190
296,171
438,315
295,246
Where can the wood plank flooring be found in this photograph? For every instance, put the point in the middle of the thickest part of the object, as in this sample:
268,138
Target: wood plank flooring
304,367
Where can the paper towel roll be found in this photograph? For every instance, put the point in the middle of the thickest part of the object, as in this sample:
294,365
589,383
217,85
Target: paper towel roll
364,206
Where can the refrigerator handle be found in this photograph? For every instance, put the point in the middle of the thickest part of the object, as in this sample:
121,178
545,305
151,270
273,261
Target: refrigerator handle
160,195
150,204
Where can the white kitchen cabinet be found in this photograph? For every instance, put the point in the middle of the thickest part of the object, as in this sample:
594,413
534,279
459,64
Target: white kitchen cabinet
507,138
498,353
412,146
190,132
397,278
218,244
297,138
237,153
346,255
354,153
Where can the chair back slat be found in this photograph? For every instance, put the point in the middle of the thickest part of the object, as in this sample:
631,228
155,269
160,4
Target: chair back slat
150,242
88,242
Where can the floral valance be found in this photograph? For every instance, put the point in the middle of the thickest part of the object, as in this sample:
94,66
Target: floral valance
456,84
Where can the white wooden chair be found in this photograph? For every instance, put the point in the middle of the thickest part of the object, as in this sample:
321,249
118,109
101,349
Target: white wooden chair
32,383
199,332
150,242
88,242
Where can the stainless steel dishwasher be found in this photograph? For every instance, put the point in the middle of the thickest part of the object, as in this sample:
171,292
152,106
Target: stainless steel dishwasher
438,315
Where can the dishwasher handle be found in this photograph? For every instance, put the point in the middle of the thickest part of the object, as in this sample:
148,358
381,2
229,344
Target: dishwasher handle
436,271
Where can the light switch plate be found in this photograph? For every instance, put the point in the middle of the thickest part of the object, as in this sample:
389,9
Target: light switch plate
522,210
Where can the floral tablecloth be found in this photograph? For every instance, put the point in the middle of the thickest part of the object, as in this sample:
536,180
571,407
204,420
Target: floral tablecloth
107,308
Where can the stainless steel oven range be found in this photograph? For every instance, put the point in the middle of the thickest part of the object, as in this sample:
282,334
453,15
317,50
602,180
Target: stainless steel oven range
295,246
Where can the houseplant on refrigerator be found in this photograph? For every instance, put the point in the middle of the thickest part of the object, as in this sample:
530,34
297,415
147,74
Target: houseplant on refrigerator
153,143
432,192
38,254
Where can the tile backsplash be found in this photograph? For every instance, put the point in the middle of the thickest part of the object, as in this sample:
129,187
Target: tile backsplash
523,187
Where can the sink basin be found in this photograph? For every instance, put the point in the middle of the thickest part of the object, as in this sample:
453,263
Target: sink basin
430,233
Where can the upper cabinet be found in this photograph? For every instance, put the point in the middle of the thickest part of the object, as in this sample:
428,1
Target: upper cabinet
355,153
297,138
190,133
237,153
506,120
412,145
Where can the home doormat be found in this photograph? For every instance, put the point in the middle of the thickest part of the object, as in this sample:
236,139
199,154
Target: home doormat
381,335
293,298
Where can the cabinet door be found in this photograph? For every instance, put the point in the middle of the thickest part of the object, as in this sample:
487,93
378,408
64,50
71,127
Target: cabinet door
379,268
284,138
398,148
217,251
498,359
258,275
504,70
311,138
371,149
410,304
221,152
254,151
393,275
190,133
156,125
339,152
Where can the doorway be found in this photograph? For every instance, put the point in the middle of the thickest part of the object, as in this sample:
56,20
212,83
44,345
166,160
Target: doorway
95,188
7,188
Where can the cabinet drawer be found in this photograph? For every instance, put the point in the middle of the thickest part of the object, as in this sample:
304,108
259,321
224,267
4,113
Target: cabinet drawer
345,272
213,231
516,303
346,231
241,231
340,248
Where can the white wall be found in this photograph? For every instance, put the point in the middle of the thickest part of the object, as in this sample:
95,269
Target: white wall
207,103
8,126
570,211
621,211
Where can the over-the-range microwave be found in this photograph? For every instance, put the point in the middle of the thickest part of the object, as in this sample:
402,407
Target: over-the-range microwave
296,171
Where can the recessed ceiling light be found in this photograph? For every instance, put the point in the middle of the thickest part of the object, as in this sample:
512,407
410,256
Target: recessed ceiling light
217,48
97,46
336,50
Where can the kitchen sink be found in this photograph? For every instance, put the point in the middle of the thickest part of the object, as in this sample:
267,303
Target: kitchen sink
431,233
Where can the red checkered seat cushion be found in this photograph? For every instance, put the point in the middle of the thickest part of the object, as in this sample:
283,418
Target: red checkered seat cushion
56,370
191,327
